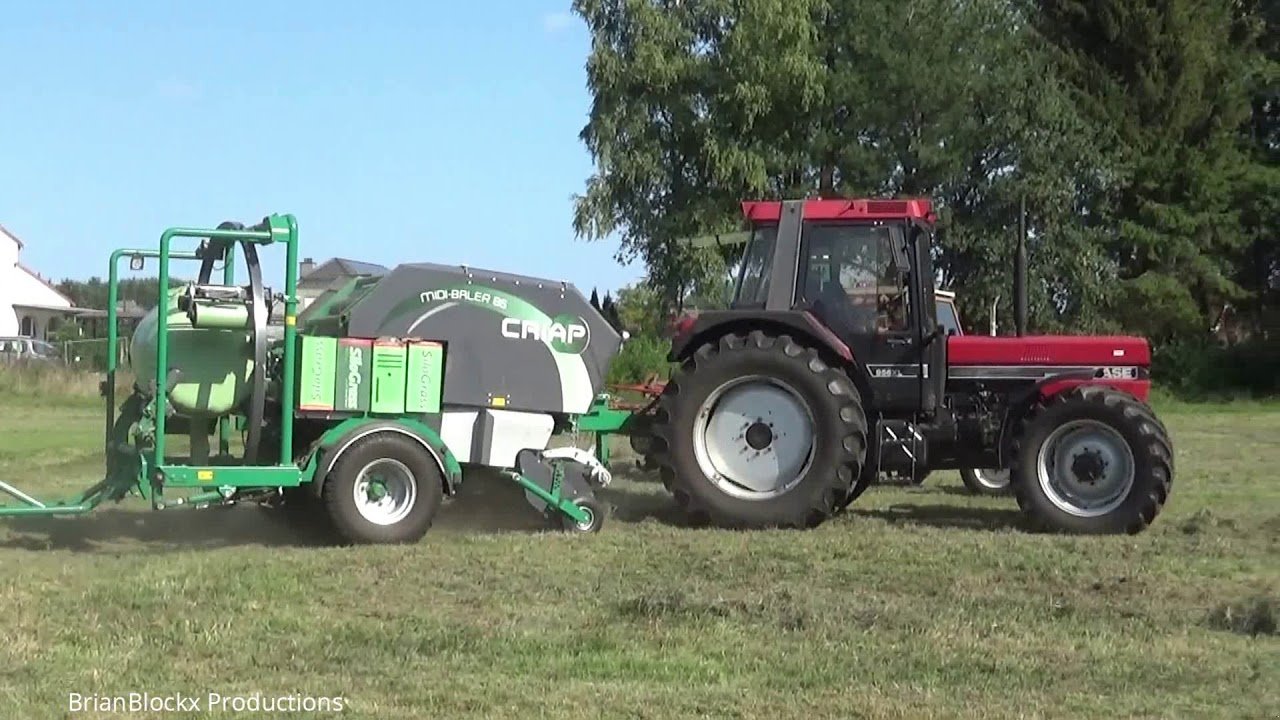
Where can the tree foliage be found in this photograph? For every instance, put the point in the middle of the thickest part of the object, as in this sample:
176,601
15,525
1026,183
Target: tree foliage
1140,135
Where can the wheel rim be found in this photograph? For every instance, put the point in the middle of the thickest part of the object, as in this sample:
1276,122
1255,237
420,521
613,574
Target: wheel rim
585,525
1086,468
385,491
753,437
992,479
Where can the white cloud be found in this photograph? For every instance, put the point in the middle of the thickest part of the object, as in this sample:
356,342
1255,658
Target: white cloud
557,21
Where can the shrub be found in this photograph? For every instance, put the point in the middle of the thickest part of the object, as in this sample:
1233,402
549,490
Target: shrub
641,357
1201,369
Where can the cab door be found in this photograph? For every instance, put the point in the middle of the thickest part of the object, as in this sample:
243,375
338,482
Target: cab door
857,281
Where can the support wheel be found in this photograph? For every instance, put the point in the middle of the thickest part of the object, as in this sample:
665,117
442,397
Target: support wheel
757,431
1092,460
385,488
594,508
986,481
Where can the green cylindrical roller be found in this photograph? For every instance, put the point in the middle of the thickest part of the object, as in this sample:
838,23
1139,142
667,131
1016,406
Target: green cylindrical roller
219,316
215,363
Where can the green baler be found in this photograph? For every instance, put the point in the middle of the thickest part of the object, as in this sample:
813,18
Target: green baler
372,401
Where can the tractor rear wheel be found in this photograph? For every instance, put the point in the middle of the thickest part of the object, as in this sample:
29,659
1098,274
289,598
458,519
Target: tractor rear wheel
1091,460
757,431
384,488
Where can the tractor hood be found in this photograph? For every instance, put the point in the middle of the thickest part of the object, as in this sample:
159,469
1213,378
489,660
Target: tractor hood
1053,350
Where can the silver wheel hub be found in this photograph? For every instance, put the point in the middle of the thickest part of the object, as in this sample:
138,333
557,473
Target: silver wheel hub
1086,468
753,437
992,479
385,492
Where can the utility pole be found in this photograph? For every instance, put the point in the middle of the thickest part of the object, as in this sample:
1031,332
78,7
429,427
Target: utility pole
1020,270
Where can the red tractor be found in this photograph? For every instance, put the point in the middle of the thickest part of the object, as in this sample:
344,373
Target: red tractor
831,367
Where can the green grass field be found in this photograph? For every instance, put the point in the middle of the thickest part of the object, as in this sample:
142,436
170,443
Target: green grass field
918,603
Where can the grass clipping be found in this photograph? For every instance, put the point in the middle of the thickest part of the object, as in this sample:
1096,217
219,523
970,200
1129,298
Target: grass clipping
1253,617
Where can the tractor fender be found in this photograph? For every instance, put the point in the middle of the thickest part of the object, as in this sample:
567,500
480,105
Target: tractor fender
800,324
708,326
1021,402
338,438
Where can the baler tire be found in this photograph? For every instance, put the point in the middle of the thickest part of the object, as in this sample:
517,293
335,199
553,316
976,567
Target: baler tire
340,483
1149,449
839,437
591,505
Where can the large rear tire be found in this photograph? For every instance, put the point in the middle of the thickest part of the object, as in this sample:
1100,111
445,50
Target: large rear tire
757,431
1092,460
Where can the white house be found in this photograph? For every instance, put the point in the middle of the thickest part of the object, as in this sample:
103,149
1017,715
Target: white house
29,304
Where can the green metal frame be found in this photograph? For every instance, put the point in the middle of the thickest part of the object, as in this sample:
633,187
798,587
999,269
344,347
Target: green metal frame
148,472
129,469
553,498
603,421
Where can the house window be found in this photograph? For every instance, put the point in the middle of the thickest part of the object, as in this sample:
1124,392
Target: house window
28,326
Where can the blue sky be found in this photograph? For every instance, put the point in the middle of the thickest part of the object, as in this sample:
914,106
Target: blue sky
395,131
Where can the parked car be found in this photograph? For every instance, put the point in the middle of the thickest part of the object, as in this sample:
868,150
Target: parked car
28,350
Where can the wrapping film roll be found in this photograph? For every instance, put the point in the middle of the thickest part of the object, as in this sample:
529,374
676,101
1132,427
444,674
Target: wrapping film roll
219,316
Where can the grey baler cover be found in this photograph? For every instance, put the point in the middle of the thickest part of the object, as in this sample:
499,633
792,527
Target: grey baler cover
476,312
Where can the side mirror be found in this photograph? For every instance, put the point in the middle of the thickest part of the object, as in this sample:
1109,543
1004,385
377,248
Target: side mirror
937,332
136,262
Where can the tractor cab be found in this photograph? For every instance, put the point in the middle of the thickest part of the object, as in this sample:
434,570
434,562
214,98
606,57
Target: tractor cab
862,270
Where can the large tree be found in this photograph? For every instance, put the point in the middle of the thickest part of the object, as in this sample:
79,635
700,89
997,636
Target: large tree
700,103
1167,86
1259,261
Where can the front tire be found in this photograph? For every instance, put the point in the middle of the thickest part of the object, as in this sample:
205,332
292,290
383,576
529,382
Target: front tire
757,431
1092,460
985,481
384,489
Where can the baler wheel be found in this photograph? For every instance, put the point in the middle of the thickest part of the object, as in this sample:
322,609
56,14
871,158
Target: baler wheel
594,508
757,430
1091,460
384,488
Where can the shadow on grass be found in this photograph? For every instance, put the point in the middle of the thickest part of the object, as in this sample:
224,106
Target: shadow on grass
486,503
962,491
112,530
947,516
629,505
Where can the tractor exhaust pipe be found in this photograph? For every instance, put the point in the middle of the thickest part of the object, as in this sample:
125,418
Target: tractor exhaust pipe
1020,272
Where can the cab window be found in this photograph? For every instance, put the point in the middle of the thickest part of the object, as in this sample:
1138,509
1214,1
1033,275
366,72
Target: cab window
852,270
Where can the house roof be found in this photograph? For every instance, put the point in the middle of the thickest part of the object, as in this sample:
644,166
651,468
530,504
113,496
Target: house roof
341,267
16,239
45,282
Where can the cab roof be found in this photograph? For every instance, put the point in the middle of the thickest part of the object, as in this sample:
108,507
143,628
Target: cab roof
766,211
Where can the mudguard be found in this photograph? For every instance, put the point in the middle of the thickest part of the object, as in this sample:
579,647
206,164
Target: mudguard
338,438
695,330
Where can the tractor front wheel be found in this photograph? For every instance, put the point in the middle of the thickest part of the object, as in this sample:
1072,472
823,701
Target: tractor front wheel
384,488
1092,460
757,431
985,481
